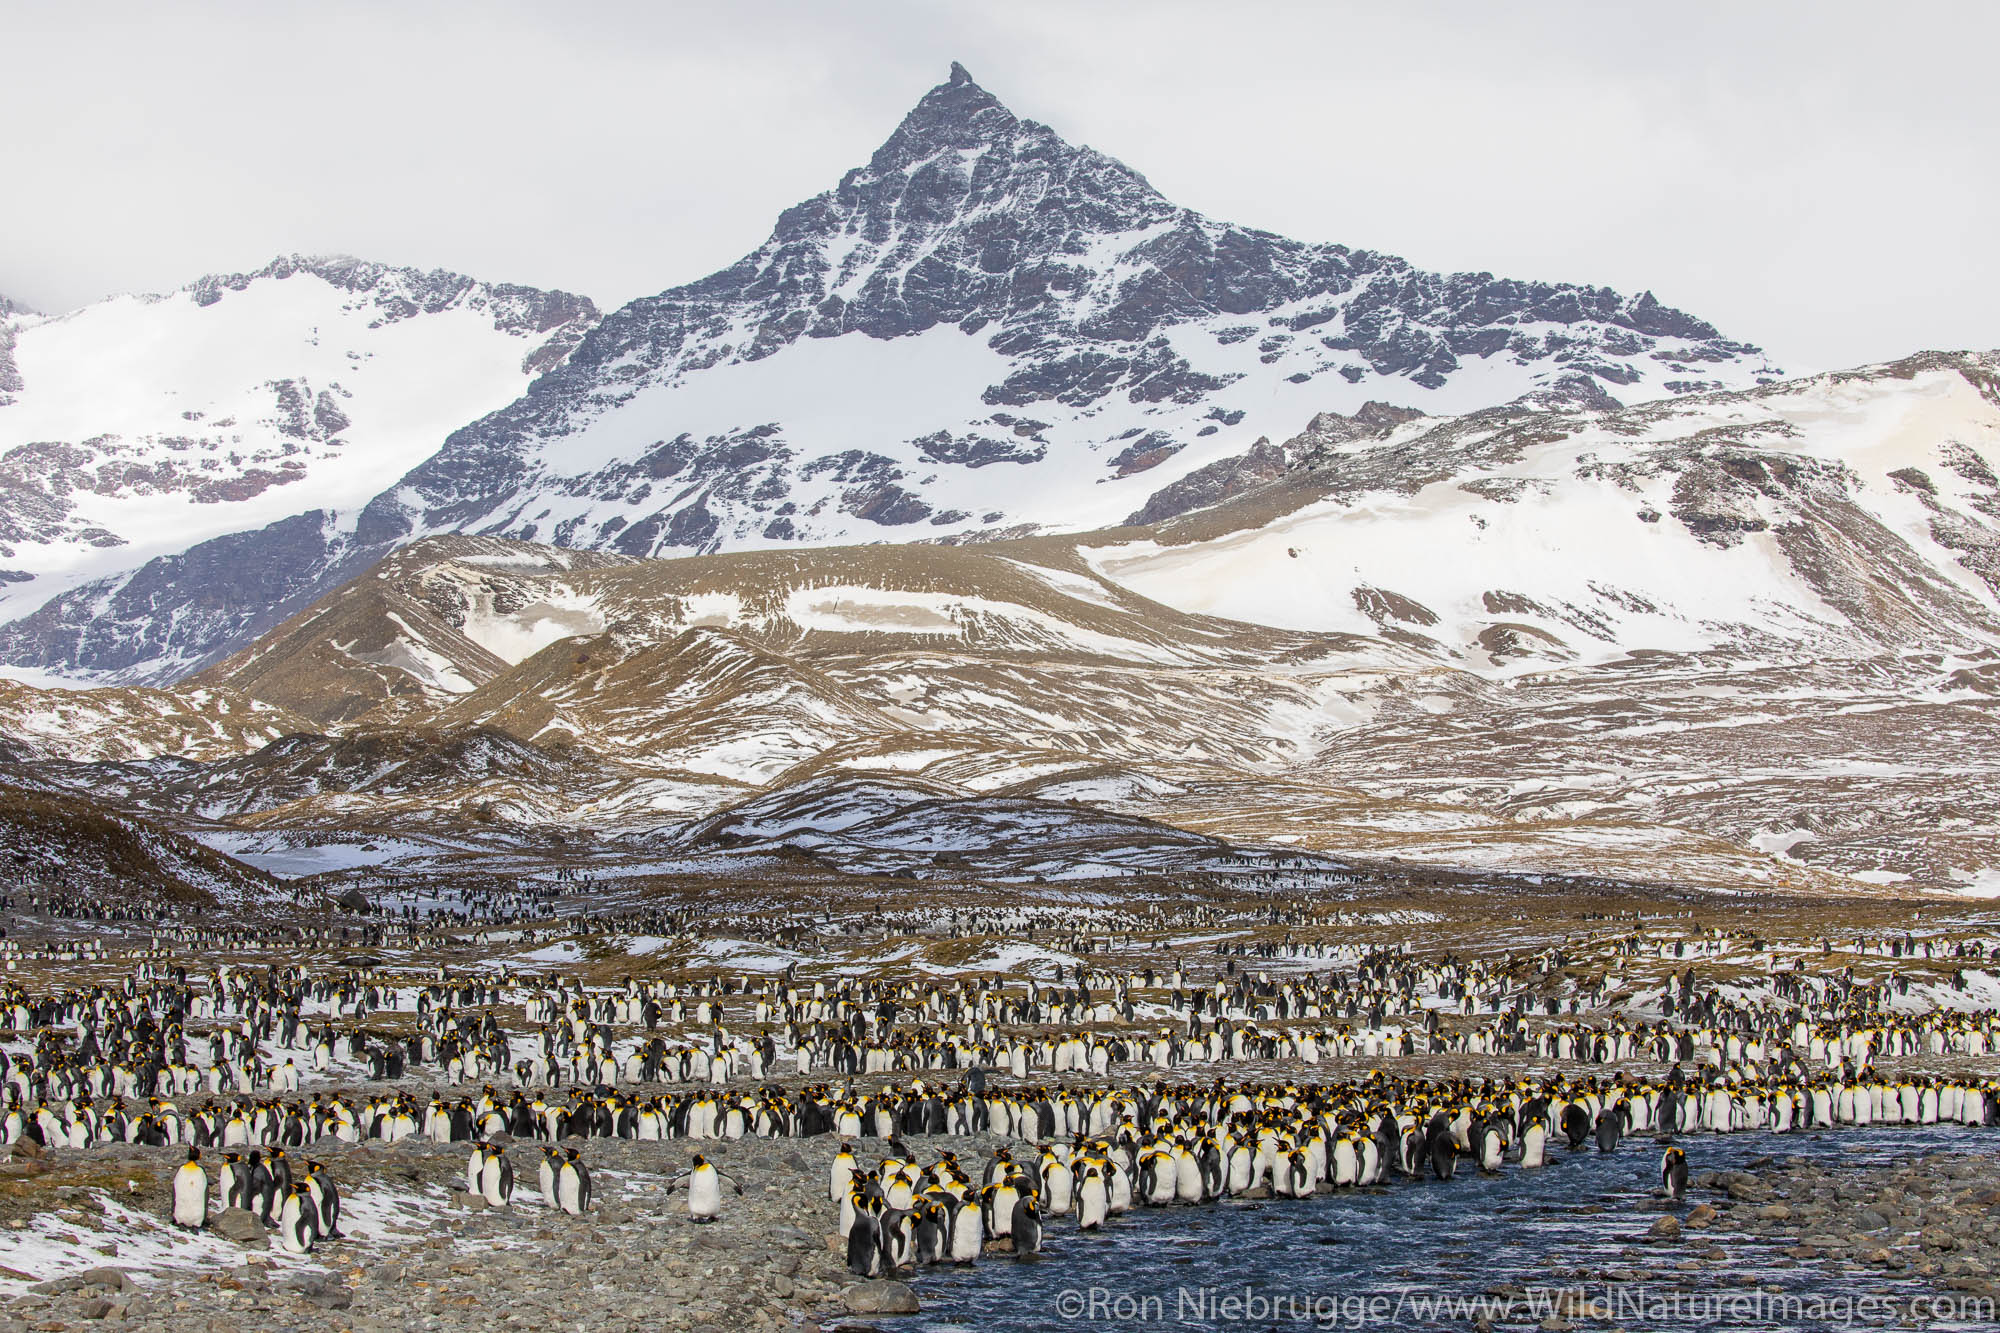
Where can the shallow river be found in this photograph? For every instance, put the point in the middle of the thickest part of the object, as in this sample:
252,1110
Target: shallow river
1387,1257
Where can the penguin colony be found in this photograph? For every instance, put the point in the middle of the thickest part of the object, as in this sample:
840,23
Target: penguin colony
303,1208
1102,1096
1100,1153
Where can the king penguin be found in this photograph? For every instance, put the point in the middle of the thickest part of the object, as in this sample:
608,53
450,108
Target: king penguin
475,1167
1027,1228
864,1238
260,1194
842,1175
191,1193
968,1232
1093,1200
551,1159
325,1196
927,1237
1534,1144
1491,1147
297,1228
704,1187
496,1178
1674,1173
573,1185
232,1182
1575,1124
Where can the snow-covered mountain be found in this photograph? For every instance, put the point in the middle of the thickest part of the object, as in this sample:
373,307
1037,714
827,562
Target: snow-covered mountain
988,327
142,426
1849,513
984,330
1741,638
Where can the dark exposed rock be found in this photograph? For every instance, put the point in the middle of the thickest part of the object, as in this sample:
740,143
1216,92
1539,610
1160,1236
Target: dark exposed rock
1216,482
1148,451
180,611
1382,606
1265,462
885,503
976,450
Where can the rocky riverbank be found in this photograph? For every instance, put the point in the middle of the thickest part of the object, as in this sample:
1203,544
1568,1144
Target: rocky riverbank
422,1254
1933,1217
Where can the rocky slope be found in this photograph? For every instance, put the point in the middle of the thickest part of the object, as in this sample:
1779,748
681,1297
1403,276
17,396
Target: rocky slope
1739,638
984,329
69,849
189,722
141,437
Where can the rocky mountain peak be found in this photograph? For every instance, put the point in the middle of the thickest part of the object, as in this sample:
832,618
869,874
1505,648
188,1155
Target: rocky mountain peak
398,293
984,329
958,114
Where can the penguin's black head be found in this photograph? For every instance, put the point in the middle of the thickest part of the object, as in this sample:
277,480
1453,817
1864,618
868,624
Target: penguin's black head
699,1160
194,1154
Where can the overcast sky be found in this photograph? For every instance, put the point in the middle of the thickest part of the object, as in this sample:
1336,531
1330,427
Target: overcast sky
1817,178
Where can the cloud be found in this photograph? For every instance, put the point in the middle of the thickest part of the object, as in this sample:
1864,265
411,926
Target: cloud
1810,177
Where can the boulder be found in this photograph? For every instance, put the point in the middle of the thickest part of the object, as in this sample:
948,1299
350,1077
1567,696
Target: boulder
321,1289
881,1296
241,1226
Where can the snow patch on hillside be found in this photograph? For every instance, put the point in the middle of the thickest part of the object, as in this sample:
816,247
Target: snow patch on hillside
190,419
1599,540
515,636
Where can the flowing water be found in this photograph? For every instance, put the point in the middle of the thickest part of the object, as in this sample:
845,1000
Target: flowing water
1413,1256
